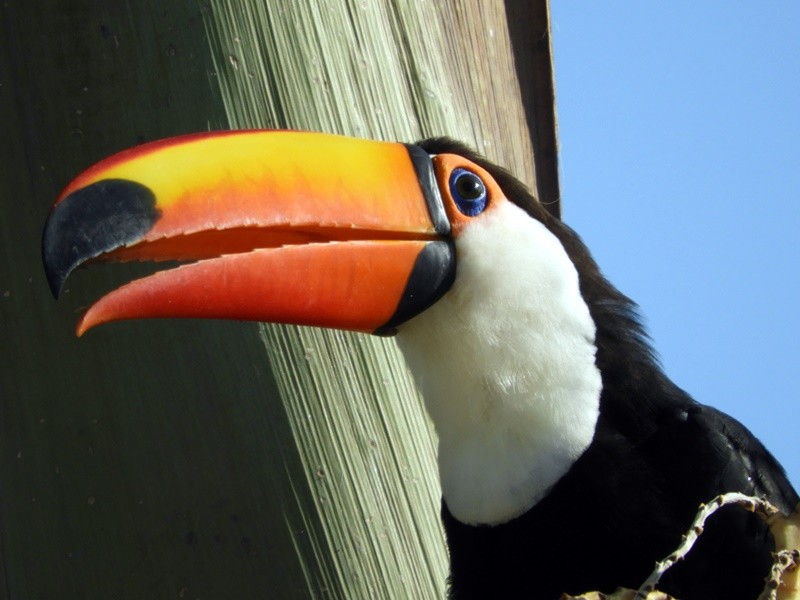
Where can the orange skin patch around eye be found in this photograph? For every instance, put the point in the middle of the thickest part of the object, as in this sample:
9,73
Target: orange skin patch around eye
444,164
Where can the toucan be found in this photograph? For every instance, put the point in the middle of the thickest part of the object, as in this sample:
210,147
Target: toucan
568,460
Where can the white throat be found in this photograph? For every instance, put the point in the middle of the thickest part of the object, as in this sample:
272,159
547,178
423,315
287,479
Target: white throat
506,363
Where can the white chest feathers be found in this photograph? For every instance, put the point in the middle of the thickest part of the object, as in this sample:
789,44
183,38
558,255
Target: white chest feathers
506,364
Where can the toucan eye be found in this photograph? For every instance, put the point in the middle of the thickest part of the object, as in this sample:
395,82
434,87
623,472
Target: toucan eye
468,191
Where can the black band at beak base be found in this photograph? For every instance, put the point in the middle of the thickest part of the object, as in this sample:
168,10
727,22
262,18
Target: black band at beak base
432,275
430,188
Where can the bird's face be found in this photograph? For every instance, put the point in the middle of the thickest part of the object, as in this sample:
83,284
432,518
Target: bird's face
367,236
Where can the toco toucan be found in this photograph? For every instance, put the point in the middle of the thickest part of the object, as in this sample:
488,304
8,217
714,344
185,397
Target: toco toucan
568,460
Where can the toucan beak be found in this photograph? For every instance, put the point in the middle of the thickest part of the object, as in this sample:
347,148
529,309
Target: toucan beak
286,227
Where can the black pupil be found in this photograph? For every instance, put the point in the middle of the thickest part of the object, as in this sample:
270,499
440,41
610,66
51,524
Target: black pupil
469,187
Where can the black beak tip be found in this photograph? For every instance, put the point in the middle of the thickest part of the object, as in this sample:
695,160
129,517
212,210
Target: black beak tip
55,278
94,220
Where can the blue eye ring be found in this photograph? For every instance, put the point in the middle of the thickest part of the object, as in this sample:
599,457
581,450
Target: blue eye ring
468,192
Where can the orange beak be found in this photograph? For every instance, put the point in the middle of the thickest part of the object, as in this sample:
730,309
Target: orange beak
286,227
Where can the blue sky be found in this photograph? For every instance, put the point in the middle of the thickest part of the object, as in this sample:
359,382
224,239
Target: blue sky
679,126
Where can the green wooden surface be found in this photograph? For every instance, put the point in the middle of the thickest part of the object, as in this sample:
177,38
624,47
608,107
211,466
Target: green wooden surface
163,459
